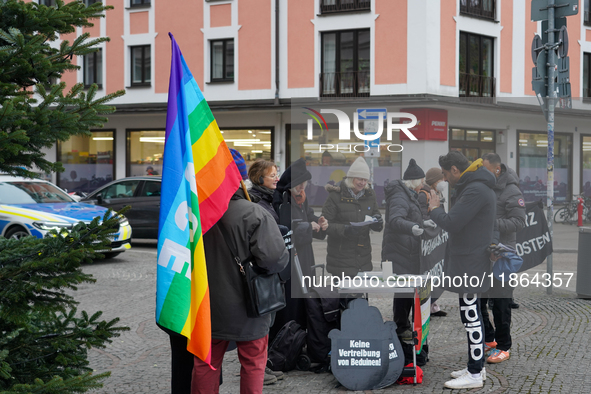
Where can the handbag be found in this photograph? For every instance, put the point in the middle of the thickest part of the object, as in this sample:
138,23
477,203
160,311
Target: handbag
263,292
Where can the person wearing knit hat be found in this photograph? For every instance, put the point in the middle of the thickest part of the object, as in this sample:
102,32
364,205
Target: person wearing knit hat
404,225
433,175
240,163
413,171
352,200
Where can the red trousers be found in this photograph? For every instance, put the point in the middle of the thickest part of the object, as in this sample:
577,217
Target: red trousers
253,360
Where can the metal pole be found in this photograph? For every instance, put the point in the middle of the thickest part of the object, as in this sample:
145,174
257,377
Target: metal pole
551,102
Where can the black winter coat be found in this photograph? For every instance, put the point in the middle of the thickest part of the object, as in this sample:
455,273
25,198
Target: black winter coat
470,224
403,212
264,200
510,207
256,234
347,256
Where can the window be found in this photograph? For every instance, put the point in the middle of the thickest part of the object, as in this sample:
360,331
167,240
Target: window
144,151
472,143
345,64
88,161
151,189
91,2
586,14
49,3
331,6
478,8
532,151
222,60
141,67
136,3
93,69
476,66
586,77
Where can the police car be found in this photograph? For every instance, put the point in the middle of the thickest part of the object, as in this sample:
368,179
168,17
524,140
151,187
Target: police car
34,207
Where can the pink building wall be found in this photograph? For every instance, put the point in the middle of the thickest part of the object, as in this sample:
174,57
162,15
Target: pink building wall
254,44
139,22
300,44
220,15
391,34
115,49
448,56
186,27
506,46
530,29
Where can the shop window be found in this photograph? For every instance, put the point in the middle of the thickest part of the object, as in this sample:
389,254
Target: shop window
472,143
145,151
345,64
476,66
586,165
222,60
532,153
328,159
89,161
93,69
141,66
252,143
586,14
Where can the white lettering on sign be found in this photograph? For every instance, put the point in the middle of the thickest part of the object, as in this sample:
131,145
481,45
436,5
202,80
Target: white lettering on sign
532,245
359,354
354,343
437,123
181,254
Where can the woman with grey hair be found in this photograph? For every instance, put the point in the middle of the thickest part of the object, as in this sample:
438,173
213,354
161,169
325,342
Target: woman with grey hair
352,200
403,228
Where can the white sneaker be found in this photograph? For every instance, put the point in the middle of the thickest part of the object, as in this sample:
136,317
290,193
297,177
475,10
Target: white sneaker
462,372
465,382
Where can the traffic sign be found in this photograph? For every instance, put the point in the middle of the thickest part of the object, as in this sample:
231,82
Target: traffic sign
536,47
539,9
371,113
563,40
558,24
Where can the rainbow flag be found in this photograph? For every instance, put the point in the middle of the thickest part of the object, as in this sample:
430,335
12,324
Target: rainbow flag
198,179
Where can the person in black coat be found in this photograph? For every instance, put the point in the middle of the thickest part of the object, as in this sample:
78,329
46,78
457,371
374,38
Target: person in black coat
352,200
470,224
263,176
291,205
403,228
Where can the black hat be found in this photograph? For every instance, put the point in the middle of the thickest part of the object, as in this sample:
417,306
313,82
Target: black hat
413,171
294,175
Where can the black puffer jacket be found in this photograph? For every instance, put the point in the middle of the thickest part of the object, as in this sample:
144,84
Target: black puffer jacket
403,212
470,224
265,200
348,256
510,206
256,234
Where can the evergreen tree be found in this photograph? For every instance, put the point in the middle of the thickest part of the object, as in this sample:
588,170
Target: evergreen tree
43,339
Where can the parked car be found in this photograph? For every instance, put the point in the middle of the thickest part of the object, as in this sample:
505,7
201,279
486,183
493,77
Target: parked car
142,193
34,207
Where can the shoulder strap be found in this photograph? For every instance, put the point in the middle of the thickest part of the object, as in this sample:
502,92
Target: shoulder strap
230,245
428,196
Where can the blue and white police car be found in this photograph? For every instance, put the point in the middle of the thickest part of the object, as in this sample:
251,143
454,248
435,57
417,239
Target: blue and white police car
33,207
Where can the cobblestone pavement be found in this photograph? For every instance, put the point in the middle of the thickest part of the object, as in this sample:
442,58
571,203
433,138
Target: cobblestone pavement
550,338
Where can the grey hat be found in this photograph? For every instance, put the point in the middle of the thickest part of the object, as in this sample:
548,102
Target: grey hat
359,169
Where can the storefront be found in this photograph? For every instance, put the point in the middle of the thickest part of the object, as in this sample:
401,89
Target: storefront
89,161
532,151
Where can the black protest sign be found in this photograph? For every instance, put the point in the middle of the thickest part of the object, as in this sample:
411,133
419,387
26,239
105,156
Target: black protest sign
533,241
366,354
432,258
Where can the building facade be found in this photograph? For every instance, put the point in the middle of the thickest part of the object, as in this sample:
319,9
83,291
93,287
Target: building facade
259,62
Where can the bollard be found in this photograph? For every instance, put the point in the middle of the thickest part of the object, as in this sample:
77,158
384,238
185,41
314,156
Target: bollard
580,212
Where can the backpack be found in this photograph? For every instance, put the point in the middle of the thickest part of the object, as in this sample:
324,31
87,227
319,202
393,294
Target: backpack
323,315
286,347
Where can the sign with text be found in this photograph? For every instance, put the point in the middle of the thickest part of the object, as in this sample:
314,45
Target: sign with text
365,356
431,124
534,243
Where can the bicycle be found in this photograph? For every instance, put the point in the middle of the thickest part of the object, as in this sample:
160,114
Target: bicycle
570,212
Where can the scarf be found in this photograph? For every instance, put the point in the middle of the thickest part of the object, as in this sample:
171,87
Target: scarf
358,195
300,199
264,190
